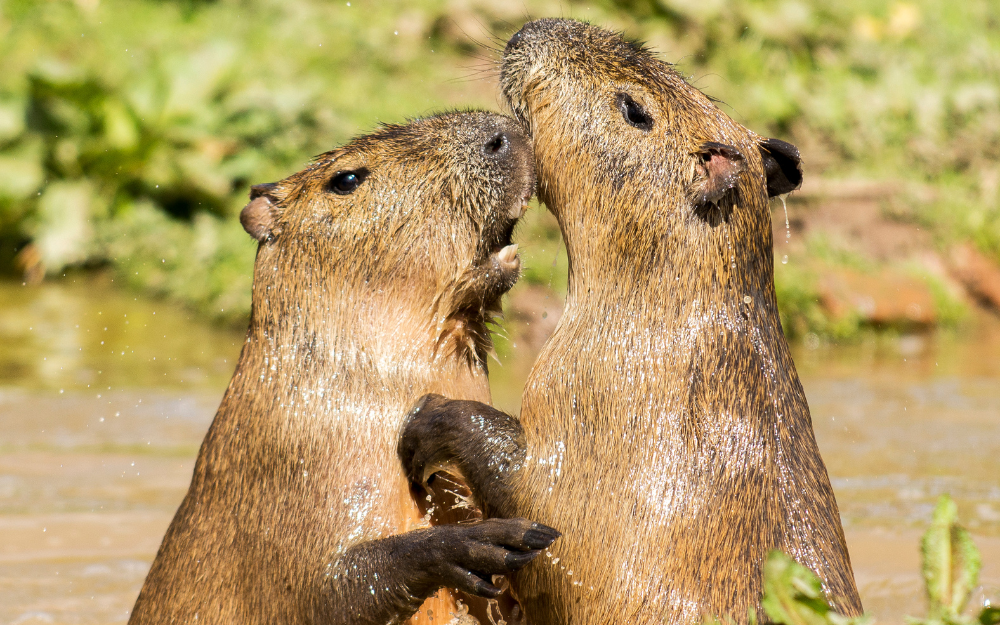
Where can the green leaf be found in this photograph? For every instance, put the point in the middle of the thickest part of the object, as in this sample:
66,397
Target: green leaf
21,170
793,595
950,563
11,119
119,127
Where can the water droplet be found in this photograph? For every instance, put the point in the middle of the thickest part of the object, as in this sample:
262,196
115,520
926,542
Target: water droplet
788,229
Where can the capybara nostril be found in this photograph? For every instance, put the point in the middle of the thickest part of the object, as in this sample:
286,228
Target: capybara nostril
496,146
514,41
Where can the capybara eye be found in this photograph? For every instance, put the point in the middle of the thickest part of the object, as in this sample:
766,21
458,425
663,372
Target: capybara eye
633,113
345,182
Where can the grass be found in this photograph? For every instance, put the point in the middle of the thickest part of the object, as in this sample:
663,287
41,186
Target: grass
131,130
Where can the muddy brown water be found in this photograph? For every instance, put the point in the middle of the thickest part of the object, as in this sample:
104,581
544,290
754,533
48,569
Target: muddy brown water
105,396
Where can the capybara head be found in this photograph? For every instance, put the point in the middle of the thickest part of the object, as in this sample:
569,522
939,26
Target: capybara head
402,230
638,165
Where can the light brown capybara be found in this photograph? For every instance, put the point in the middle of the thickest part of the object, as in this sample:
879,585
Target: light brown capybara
663,427
378,269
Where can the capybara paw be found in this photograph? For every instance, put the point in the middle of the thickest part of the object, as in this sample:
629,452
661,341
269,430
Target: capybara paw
424,436
505,267
467,557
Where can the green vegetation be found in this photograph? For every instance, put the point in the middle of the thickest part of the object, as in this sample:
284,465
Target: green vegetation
130,130
793,595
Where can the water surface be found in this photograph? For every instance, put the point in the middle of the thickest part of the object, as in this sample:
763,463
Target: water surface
105,396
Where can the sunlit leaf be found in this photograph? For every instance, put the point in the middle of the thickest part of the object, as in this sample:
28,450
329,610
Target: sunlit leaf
22,171
793,595
11,119
63,231
950,562
120,130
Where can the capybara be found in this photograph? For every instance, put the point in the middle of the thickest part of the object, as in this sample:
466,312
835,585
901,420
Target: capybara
378,270
664,429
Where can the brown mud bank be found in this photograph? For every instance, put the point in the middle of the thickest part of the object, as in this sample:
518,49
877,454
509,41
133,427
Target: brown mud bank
876,256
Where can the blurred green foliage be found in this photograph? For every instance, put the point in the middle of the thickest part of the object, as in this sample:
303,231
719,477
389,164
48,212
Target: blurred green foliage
950,569
793,595
130,130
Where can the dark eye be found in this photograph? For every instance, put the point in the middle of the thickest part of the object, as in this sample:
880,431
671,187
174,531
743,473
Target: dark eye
345,182
633,113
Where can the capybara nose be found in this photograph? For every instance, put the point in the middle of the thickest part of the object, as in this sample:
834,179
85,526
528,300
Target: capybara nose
515,40
497,146
258,190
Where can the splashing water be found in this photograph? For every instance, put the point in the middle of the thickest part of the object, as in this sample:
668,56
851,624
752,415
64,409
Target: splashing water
461,615
500,582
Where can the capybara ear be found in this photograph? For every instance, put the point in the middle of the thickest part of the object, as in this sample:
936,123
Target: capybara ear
258,216
782,165
722,165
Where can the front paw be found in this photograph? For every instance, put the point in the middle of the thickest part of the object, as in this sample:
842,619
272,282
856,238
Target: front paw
423,442
506,266
467,557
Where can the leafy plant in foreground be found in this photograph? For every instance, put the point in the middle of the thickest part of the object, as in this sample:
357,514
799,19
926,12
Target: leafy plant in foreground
793,595
951,571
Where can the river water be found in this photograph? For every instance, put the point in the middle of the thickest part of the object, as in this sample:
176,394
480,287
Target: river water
105,396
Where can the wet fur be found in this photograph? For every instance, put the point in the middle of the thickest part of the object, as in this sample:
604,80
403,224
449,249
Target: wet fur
361,303
665,430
